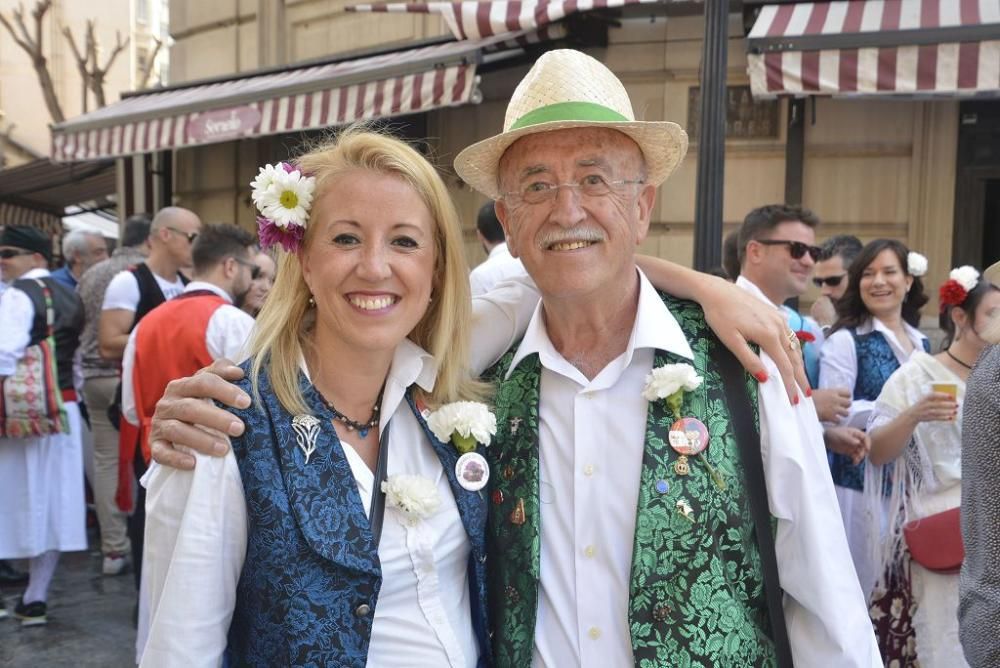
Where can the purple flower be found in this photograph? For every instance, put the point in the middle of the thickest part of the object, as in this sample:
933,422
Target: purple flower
290,238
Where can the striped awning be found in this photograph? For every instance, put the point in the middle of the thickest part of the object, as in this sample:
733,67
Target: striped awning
474,20
876,47
289,100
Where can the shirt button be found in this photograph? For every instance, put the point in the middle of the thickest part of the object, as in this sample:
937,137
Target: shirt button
594,633
588,470
362,610
589,551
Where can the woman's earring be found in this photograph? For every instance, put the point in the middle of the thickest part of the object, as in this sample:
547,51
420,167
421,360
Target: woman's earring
312,302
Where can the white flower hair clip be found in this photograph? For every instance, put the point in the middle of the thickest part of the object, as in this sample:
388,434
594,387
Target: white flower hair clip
283,195
916,264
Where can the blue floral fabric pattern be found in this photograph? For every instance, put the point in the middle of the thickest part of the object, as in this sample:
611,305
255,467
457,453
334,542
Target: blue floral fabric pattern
310,583
876,362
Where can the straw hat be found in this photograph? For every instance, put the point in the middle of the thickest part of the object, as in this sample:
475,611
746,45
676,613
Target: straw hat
992,274
569,89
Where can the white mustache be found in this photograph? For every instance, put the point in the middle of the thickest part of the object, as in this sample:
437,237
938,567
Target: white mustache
560,235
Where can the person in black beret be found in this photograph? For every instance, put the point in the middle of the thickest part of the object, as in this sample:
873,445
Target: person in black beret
41,463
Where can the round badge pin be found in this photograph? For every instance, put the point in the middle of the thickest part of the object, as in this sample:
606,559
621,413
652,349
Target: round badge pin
688,436
472,471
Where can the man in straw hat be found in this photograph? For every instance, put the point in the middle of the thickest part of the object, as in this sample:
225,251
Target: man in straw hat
620,525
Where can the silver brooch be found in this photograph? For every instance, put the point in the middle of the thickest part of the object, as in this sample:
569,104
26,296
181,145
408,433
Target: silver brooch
306,432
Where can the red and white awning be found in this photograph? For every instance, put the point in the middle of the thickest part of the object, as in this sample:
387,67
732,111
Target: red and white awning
303,98
474,20
876,47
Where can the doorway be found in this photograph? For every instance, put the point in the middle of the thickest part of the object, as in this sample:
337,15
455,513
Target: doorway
977,185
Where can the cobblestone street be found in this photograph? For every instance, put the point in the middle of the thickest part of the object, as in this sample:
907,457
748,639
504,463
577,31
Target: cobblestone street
90,619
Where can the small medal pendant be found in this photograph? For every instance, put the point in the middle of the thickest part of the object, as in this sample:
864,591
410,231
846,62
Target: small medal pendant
681,466
517,516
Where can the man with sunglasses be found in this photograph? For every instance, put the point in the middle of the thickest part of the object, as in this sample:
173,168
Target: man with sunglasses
830,276
777,258
182,335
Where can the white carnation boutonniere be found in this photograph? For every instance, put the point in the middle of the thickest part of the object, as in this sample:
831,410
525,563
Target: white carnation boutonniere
670,382
464,423
415,496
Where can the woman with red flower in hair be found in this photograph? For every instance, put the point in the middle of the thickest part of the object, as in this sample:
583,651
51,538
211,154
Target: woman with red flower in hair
916,434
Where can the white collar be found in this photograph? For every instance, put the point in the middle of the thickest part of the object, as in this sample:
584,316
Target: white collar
410,364
37,272
655,327
212,287
751,287
499,249
874,324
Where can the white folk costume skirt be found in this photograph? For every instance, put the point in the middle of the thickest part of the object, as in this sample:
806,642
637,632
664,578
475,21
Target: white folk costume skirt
42,504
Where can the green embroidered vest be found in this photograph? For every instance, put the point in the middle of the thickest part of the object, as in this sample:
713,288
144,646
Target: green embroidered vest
696,589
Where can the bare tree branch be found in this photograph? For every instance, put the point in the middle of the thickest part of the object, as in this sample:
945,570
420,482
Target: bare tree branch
97,74
32,45
81,66
147,70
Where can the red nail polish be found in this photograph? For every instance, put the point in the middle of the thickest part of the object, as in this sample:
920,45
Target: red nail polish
761,376
809,392
795,401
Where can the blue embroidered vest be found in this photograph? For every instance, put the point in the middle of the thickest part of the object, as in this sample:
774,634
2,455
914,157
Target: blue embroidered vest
876,362
309,587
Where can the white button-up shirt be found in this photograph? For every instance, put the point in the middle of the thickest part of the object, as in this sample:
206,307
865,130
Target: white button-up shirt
196,536
838,363
498,267
591,440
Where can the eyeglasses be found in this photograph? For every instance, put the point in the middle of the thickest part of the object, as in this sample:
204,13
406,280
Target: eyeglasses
190,236
254,269
832,281
796,249
594,185
8,253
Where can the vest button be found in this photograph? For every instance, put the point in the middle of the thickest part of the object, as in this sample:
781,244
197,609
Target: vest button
362,610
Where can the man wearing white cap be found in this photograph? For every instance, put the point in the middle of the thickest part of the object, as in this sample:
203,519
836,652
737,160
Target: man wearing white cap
621,527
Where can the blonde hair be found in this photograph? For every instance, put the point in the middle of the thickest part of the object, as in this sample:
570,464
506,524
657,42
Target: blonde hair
284,323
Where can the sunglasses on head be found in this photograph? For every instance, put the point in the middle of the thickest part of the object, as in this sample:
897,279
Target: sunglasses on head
796,249
8,253
832,281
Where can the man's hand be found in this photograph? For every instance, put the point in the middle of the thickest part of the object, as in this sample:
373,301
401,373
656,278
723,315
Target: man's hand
737,317
823,311
182,411
847,441
832,405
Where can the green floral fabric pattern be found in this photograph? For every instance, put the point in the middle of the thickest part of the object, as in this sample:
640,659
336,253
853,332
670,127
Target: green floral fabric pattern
696,591
513,541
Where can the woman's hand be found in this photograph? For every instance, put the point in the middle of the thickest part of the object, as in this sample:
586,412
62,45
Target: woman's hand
738,317
847,441
933,407
183,411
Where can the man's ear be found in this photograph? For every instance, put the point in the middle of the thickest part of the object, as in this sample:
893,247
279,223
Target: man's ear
645,202
503,215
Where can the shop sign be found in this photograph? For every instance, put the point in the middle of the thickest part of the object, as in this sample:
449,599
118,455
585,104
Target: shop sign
223,124
746,118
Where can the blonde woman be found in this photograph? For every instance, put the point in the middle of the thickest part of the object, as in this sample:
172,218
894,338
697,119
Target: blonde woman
267,556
